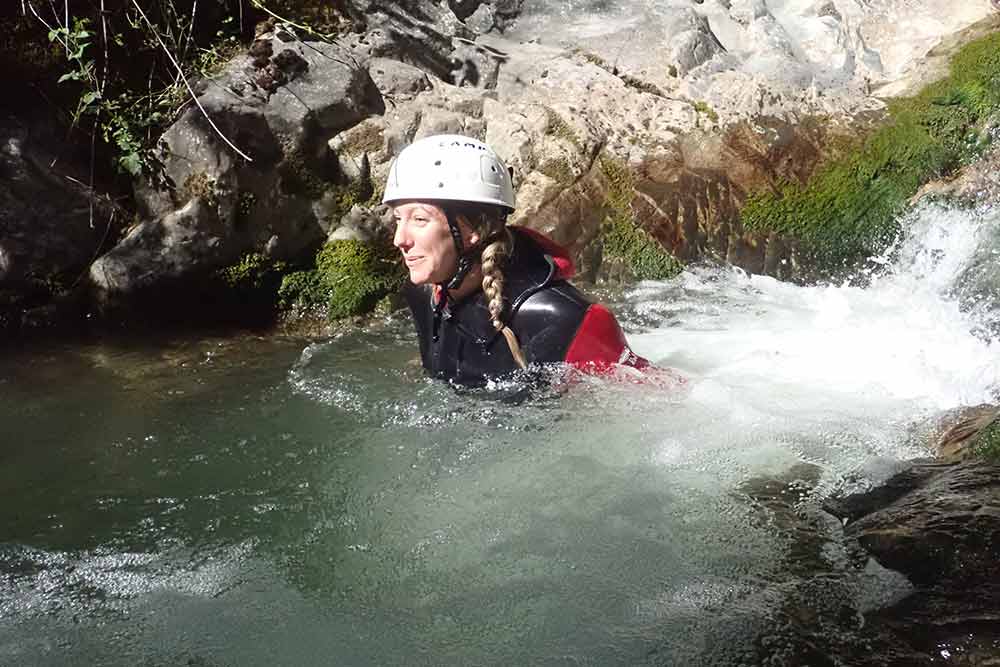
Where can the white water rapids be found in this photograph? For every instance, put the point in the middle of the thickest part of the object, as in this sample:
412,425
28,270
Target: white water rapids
252,502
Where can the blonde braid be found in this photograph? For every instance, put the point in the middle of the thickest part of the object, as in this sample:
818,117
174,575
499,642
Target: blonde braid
493,257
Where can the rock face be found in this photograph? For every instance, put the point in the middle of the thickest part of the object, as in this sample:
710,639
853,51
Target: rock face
730,104
665,116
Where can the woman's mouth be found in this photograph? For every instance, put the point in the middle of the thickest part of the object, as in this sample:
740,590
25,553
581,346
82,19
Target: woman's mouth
410,261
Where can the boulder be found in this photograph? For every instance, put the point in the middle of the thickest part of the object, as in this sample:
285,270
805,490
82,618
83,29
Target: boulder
946,529
279,105
397,80
938,523
418,33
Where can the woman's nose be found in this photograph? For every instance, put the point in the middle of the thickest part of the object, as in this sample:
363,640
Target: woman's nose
400,239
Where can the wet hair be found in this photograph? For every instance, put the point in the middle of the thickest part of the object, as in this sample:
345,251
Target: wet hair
490,223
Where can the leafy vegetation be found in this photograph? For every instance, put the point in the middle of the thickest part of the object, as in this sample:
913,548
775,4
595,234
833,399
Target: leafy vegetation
119,71
848,209
705,108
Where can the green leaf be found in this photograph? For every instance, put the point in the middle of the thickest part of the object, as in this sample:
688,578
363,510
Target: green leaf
90,97
131,163
69,76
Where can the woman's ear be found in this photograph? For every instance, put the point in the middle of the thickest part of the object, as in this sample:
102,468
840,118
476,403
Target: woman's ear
469,234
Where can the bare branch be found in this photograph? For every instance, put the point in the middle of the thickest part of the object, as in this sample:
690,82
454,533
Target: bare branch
187,84
104,30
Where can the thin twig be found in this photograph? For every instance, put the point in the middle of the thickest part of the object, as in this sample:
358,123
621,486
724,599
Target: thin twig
190,35
104,30
97,250
66,23
93,159
188,85
46,24
239,3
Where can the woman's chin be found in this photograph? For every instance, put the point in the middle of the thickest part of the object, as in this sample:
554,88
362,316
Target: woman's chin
420,277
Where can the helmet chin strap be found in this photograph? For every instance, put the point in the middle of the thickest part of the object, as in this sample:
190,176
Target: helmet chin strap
467,258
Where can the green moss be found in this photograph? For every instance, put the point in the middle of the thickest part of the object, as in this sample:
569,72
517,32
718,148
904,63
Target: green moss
594,59
350,278
640,85
346,196
559,170
199,184
703,108
365,138
304,290
321,18
297,178
560,129
623,239
987,443
848,209
629,80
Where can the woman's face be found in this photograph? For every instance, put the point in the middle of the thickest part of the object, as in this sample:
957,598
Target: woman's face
423,238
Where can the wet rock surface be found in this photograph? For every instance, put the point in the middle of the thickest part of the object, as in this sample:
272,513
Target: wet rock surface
945,528
938,523
903,574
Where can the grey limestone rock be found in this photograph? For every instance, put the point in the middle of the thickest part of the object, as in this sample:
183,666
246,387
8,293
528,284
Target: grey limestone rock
280,111
397,79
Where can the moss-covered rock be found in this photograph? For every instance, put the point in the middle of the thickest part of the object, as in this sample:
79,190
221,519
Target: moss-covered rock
350,278
623,240
848,209
987,443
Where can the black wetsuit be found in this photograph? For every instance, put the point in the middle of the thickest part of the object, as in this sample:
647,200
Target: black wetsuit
552,320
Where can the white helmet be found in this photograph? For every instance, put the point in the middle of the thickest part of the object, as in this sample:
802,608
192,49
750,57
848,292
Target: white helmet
449,167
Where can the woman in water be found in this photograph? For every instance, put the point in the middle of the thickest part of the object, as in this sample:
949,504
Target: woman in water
487,299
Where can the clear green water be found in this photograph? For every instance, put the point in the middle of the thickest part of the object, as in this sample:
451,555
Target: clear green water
246,501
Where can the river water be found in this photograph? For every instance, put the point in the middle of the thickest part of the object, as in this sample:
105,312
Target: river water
258,501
